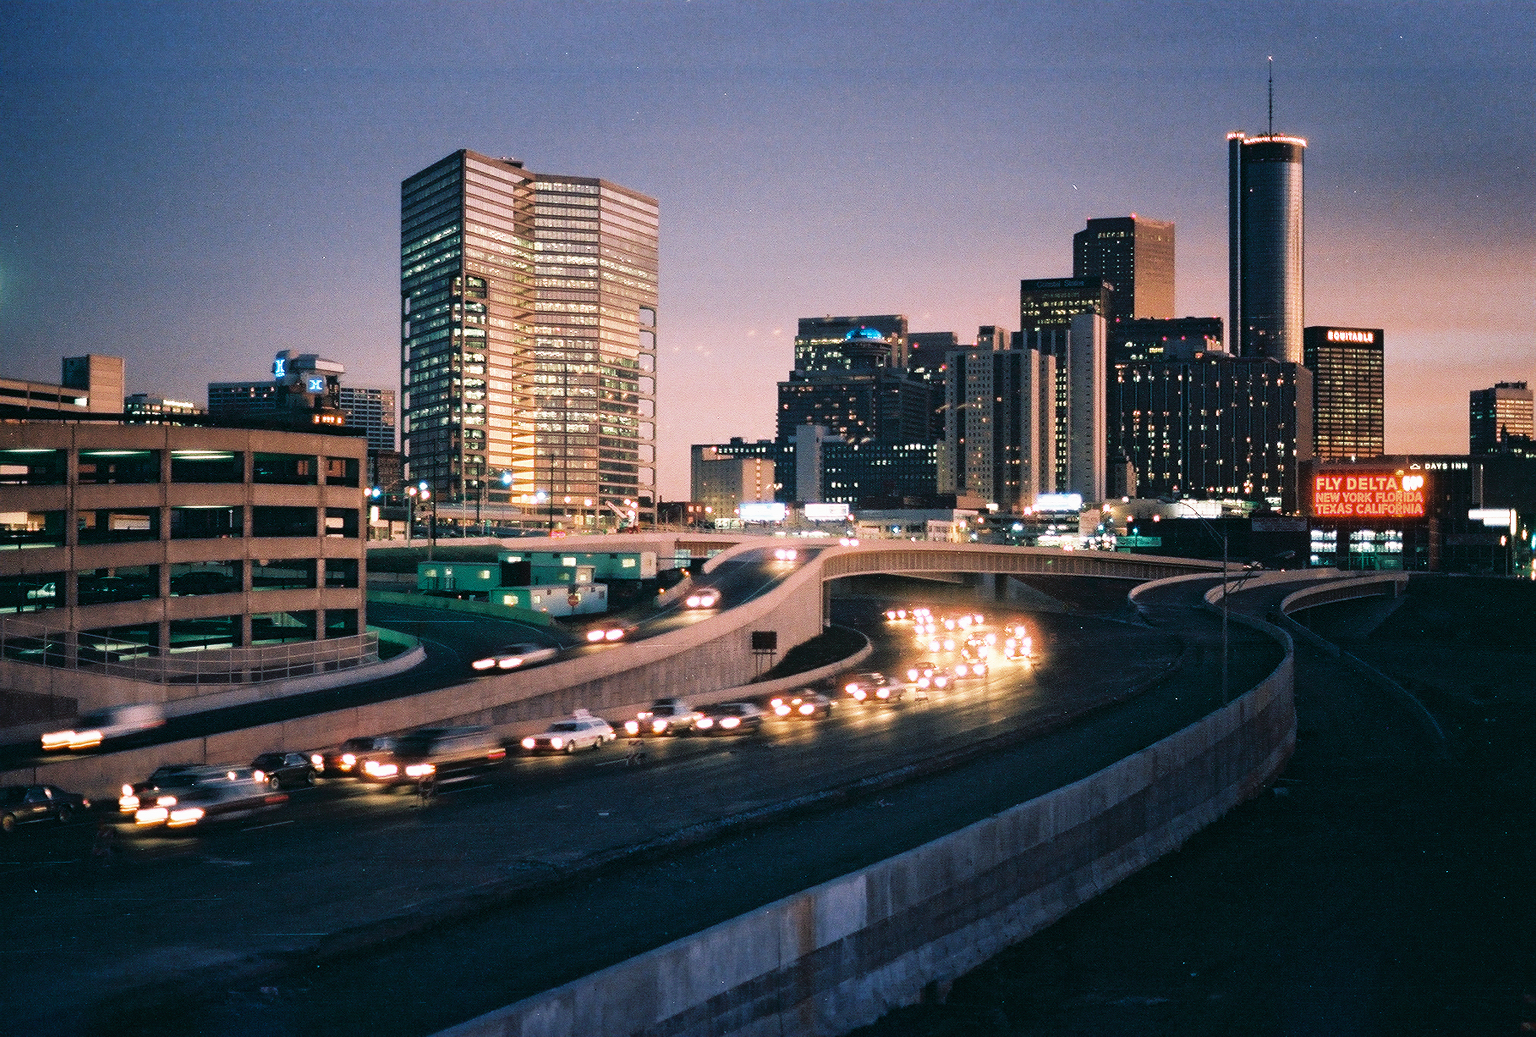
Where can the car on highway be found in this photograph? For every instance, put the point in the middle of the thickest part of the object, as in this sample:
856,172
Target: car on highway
703,598
804,704
512,657
928,674
970,669
242,792
113,722
285,770
730,718
342,761
581,730
873,687
29,804
608,633
667,716
168,782
434,753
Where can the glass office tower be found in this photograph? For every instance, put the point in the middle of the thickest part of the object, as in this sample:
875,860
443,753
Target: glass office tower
528,340
1264,221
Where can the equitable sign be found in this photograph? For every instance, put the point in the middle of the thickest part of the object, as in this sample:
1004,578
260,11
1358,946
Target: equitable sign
1371,495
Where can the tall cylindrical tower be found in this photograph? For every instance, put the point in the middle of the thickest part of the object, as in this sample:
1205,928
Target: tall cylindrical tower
1265,217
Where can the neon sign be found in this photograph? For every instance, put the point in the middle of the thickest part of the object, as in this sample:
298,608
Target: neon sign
1368,495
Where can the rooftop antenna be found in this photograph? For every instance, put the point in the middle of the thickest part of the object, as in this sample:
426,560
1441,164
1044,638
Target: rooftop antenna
1271,95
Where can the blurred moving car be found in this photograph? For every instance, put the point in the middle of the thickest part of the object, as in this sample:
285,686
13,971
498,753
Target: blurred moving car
706,598
580,729
873,687
730,718
284,770
167,782
512,657
242,792
434,753
113,722
807,702
607,634
968,670
342,761
928,674
667,716
27,804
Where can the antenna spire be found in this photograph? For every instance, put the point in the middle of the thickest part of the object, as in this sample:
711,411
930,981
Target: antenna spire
1271,95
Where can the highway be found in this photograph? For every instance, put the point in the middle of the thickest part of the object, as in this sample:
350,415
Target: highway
452,641
341,864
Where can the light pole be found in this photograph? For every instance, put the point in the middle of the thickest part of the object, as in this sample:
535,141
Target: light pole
1222,536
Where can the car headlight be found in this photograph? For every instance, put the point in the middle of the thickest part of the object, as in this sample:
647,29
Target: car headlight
884,693
658,725
128,803
258,775
165,801
631,727
806,709
529,743
348,760
730,722
375,769
782,709
708,722
859,693
511,663
594,635
483,664
185,816
150,815
420,770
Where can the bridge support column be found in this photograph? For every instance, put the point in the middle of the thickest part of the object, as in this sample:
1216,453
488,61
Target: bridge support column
826,604
987,585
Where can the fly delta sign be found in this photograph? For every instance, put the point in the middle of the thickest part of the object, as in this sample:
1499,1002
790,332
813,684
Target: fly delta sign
1368,495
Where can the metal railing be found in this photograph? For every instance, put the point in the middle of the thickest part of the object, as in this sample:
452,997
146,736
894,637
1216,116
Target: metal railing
28,641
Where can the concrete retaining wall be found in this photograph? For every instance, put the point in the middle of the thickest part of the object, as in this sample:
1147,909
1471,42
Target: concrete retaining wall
844,953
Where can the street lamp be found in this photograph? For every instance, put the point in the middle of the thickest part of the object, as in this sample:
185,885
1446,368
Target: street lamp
1222,536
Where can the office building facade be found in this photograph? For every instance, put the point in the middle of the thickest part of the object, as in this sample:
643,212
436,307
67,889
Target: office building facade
1348,392
1215,428
1265,245
1178,338
1000,426
721,480
1502,418
835,344
1047,304
1135,255
528,339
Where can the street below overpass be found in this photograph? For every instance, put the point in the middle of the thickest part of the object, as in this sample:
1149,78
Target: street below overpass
356,911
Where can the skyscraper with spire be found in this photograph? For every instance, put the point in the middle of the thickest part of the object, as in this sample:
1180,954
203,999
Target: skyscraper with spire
1264,222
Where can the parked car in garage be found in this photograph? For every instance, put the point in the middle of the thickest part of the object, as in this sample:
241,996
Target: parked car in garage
29,804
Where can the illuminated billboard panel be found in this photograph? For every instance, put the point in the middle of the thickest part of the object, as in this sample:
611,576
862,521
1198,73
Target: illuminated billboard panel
826,512
763,511
1368,495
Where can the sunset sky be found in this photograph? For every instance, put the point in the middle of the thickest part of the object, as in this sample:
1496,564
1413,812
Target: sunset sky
197,186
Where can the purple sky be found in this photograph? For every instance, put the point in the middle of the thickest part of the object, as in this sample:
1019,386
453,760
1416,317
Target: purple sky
195,187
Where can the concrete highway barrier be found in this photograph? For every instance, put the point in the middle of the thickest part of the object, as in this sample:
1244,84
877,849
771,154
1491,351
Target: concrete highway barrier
843,953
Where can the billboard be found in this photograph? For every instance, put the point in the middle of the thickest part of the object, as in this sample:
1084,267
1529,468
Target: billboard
1369,495
1059,502
762,511
826,512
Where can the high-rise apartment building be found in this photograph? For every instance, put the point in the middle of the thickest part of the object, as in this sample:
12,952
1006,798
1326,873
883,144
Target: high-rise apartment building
1503,418
847,378
1264,245
1348,392
528,338
1135,255
1000,428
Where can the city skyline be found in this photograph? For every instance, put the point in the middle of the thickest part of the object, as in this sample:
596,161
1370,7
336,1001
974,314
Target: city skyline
194,179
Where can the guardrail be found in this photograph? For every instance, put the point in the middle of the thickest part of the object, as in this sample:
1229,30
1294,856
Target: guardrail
29,642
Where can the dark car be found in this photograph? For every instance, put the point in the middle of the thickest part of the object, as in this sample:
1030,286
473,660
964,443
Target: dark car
342,761
807,702
167,782
285,770
668,716
434,753
237,793
24,804
730,718
873,687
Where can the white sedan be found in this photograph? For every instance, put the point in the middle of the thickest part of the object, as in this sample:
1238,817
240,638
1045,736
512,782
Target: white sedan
580,730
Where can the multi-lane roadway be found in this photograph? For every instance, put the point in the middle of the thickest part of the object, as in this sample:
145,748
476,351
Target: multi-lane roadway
343,859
